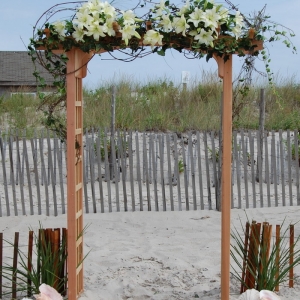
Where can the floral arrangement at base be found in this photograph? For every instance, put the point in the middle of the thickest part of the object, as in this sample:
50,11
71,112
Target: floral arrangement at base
46,293
256,295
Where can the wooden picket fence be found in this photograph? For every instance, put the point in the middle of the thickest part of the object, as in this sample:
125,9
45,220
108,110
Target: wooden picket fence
149,171
22,256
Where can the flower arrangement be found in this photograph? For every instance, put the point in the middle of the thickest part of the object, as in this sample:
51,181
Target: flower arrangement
47,292
197,28
201,21
201,26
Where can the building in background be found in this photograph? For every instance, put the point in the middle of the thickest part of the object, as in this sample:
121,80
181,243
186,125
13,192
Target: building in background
16,74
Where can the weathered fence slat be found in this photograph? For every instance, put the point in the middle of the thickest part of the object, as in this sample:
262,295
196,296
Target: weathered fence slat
190,149
123,153
138,170
282,167
267,176
59,155
91,154
19,171
36,175
50,164
289,152
107,173
10,149
297,163
131,170
4,179
185,176
251,146
260,167
85,179
25,155
274,169
161,159
100,173
170,177
200,171
115,170
43,172
207,171
176,172
214,162
245,167
152,138
237,166
145,168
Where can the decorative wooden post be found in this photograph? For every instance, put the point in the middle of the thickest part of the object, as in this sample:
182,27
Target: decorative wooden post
76,70
225,72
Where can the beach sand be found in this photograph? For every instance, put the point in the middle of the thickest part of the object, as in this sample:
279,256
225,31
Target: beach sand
157,255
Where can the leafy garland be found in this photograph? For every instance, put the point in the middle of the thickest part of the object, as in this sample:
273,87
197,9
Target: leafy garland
196,29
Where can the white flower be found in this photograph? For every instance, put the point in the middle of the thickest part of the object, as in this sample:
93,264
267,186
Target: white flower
129,17
59,27
48,293
97,30
184,8
93,6
108,10
153,38
196,17
212,18
236,31
166,23
239,20
78,34
83,19
180,25
223,12
160,8
109,27
205,37
128,31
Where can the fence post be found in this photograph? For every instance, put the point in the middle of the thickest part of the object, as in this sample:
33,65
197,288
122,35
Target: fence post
112,132
262,110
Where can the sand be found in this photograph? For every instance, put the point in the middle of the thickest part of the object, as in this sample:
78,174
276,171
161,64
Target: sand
157,255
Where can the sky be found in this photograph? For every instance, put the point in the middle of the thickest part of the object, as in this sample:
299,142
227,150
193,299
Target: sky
19,16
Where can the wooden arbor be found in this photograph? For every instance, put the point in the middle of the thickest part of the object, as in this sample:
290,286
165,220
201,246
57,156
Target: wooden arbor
76,71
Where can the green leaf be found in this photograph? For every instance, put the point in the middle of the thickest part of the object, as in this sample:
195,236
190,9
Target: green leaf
161,52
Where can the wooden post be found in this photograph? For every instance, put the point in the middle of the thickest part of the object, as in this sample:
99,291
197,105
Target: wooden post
277,255
76,70
225,72
291,271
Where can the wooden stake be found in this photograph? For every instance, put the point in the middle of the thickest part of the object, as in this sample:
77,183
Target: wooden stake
29,262
291,272
15,264
277,255
1,262
243,287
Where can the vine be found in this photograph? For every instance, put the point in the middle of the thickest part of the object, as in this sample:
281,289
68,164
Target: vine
198,28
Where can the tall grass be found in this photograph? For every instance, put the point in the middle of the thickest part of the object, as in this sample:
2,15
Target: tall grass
162,105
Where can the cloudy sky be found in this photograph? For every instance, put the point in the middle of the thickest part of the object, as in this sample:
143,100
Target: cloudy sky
19,16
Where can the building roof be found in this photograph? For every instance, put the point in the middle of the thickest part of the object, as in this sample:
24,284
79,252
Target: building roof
16,68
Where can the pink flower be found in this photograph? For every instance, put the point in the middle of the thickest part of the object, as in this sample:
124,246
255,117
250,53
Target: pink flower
48,293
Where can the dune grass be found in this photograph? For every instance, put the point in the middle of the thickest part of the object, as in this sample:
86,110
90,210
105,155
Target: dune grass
161,105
